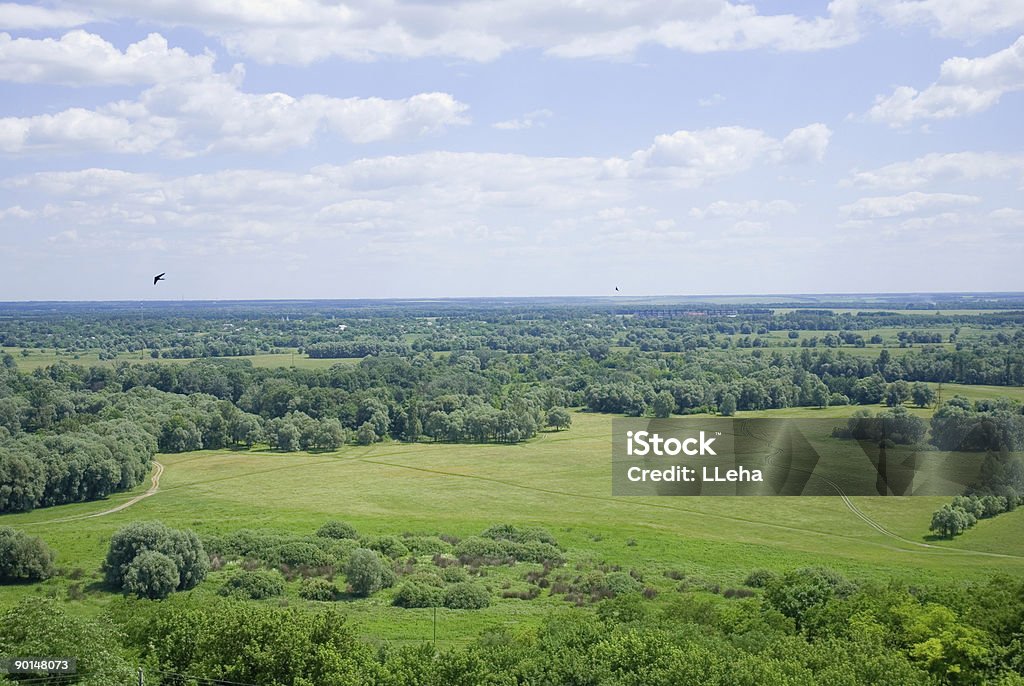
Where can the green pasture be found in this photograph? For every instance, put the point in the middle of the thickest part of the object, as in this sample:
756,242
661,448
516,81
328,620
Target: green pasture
38,358
561,481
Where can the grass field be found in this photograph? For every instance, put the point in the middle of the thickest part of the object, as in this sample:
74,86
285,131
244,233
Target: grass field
560,481
37,358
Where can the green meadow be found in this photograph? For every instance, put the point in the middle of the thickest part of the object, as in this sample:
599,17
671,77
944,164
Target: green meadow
559,480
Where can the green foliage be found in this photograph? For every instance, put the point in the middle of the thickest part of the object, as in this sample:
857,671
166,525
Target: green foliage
427,545
316,588
336,529
388,546
466,595
366,572
759,578
802,591
23,557
183,547
253,585
41,627
418,594
621,583
151,575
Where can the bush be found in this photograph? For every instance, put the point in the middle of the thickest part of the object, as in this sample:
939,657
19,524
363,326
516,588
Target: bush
427,545
23,557
418,594
476,548
336,529
621,583
151,575
183,547
466,595
254,585
454,575
318,589
526,534
389,546
759,578
366,572
298,553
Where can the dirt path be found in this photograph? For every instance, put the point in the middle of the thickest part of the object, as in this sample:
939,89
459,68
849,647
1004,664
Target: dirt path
154,481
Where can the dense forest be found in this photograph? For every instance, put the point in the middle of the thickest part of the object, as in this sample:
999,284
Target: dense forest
71,432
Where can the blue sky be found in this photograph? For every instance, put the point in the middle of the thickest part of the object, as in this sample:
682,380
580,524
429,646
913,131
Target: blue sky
313,149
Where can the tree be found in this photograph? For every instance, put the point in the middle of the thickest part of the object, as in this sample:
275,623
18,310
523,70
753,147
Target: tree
365,572
183,547
727,408
366,435
897,393
949,521
151,575
559,418
23,557
922,394
664,403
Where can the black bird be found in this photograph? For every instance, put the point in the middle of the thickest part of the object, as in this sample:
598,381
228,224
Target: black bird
159,277
616,289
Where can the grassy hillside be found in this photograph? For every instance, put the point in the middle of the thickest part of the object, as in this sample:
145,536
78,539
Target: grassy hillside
560,481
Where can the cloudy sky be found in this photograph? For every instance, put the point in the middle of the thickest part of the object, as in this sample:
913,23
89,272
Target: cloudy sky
326,149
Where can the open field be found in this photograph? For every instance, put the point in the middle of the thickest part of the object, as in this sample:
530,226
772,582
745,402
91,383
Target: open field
561,481
43,358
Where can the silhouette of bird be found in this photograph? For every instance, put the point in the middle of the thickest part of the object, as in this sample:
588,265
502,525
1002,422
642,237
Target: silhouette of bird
159,277
616,289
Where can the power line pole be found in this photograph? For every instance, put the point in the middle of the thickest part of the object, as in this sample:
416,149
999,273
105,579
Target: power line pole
140,677
435,626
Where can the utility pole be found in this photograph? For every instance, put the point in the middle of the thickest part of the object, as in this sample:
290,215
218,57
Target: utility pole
140,677
435,626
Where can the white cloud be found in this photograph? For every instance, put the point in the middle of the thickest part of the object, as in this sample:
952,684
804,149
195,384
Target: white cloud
692,157
725,208
935,167
406,199
79,58
955,18
16,16
527,121
886,206
965,87
711,100
303,31
198,116
16,212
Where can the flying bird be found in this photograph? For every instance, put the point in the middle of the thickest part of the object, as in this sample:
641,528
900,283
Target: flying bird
159,277
616,289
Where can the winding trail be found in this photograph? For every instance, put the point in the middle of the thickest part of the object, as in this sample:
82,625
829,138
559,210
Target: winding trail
154,481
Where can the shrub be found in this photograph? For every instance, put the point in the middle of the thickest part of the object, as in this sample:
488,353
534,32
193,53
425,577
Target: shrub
317,589
621,583
297,553
418,594
254,585
183,547
366,572
476,548
336,529
23,557
466,595
151,575
427,545
389,546
454,575
526,534
759,578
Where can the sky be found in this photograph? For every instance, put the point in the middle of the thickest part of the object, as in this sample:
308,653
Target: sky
408,149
